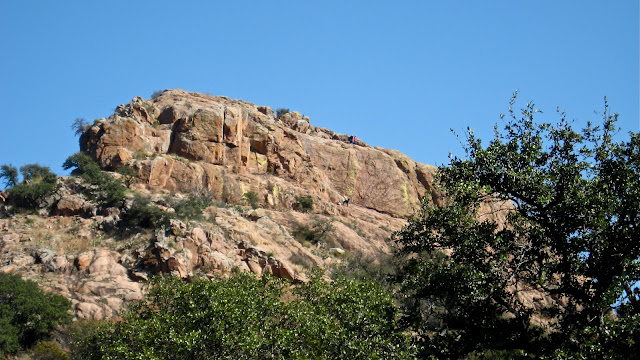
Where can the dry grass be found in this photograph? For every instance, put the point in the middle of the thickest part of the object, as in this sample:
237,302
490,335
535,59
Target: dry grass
68,235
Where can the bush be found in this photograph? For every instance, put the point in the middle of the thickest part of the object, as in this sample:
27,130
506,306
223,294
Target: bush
281,111
38,184
127,172
192,206
305,203
106,190
317,232
27,314
144,214
378,269
156,94
48,350
246,318
252,198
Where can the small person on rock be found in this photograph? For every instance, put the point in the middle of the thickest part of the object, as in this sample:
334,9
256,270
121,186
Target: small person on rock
345,201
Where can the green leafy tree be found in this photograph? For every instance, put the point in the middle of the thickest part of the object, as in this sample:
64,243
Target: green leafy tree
27,314
570,237
10,175
38,183
107,190
252,198
247,318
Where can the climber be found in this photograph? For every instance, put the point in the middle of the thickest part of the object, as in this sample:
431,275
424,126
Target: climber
354,140
346,201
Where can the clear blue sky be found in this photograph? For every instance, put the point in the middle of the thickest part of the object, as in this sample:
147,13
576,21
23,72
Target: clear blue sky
398,74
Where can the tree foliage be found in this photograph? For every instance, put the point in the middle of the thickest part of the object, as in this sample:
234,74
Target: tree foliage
107,190
27,314
143,213
79,126
251,197
569,241
38,183
10,175
192,206
247,318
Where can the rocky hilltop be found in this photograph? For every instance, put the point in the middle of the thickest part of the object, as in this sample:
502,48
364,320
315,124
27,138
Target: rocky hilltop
185,142
182,143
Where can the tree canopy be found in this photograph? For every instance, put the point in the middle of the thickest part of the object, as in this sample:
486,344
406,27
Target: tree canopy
247,318
556,276
38,183
27,314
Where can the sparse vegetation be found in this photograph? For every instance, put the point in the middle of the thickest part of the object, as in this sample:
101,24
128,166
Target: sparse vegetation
128,173
156,94
145,214
379,268
192,206
79,126
281,111
315,233
304,203
48,350
105,189
251,197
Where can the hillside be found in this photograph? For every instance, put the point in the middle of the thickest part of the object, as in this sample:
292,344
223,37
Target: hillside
238,156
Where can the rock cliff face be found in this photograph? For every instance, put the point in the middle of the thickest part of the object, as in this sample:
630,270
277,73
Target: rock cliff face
186,142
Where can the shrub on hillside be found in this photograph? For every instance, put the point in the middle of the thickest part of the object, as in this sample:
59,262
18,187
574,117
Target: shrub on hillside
192,206
252,198
304,203
27,314
156,94
128,173
38,183
143,213
48,350
317,232
281,111
106,190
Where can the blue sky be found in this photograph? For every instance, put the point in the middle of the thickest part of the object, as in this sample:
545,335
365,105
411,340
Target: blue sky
398,74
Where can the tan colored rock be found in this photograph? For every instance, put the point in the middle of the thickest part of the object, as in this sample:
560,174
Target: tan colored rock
83,260
59,263
283,271
199,236
105,263
85,310
229,138
254,267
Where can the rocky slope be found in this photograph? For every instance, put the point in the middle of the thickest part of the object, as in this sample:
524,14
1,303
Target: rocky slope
184,143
